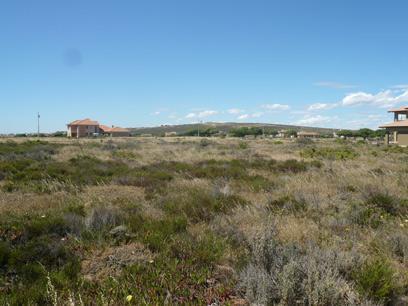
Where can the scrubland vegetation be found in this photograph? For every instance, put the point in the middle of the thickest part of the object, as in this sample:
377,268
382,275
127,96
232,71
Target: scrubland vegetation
203,221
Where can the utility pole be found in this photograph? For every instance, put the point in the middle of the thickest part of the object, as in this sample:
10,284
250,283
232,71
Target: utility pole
38,125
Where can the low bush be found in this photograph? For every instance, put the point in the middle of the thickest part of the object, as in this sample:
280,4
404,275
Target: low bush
304,141
35,150
287,275
243,145
104,218
375,279
363,215
286,204
197,205
385,202
342,153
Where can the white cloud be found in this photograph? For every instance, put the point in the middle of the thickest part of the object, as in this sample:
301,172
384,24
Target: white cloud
247,116
234,111
207,113
321,106
276,107
257,115
400,86
202,114
156,113
335,85
313,120
386,98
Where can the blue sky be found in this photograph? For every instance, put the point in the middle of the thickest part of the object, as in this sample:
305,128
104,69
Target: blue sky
144,63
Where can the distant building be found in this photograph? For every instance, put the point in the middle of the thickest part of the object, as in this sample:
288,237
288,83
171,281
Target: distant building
88,128
114,131
170,134
397,131
83,128
282,134
304,134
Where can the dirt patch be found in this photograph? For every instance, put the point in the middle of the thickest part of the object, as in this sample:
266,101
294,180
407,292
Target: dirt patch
111,261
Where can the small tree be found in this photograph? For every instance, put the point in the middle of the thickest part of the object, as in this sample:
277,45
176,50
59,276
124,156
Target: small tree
243,131
269,131
345,133
292,133
365,133
380,133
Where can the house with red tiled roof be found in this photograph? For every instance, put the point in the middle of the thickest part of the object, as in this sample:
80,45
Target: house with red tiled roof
397,131
114,131
88,128
83,128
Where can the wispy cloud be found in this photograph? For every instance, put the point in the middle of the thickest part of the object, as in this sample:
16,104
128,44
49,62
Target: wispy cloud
247,116
276,107
207,113
321,106
384,99
244,116
400,86
173,116
202,114
235,111
334,85
315,120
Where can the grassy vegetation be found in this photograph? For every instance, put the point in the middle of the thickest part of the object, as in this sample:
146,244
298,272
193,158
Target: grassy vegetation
197,221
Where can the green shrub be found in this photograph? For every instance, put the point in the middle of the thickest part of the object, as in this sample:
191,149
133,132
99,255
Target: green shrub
156,233
4,253
197,205
364,215
291,165
342,153
127,155
286,204
204,250
384,201
46,226
258,183
304,141
375,279
205,143
244,131
35,150
243,145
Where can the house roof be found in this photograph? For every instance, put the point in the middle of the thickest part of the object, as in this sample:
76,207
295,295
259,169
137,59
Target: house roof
115,129
401,123
104,128
119,129
400,109
86,121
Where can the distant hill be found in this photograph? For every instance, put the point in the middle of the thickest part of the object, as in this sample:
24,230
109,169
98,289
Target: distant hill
225,127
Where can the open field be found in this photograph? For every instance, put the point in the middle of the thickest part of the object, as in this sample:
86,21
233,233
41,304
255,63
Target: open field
199,221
